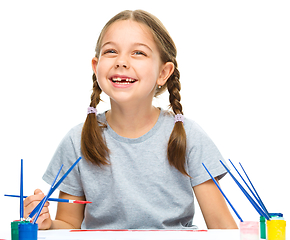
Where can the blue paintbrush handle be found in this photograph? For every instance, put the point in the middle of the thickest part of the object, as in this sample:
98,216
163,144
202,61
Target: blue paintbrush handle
46,197
21,191
53,189
261,202
252,201
49,199
256,197
223,193
52,199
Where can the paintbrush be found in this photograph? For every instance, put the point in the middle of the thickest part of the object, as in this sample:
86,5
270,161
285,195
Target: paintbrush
54,199
21,191
46,197
216,183
258,199
53,189
252,201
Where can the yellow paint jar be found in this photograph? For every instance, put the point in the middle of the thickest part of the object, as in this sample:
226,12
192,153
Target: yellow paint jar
276,229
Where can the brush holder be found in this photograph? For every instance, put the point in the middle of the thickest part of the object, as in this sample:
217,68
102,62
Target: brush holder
27,231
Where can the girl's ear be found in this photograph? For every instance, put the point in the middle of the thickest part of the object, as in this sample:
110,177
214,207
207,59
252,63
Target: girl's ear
166,71
94,64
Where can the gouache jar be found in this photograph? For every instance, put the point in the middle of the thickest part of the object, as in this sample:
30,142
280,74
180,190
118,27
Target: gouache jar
249,230
14,229
276,229
27,231
262,227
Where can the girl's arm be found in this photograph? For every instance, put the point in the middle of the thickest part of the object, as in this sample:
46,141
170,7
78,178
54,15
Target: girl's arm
213,206
69,215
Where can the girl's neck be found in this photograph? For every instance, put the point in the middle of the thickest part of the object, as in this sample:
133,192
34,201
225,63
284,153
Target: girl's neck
132,122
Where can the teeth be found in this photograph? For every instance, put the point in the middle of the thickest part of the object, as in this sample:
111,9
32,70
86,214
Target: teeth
119,80
123,83
116,79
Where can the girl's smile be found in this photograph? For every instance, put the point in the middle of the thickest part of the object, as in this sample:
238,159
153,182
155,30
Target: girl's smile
122,81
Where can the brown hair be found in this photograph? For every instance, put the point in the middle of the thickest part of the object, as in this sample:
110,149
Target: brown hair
93,145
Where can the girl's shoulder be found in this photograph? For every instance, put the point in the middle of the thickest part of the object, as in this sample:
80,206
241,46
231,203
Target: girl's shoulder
195,134
75,132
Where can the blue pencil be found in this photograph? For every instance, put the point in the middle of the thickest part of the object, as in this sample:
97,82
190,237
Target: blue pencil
21,191
31,215
223,193
46,197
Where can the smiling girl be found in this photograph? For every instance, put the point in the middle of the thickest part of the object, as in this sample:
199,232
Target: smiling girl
141,165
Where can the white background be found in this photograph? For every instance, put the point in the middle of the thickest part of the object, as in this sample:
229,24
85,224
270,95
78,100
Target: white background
234,59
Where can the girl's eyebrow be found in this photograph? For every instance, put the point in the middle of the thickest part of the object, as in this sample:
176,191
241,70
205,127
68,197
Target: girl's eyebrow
106,43
142,44
134,44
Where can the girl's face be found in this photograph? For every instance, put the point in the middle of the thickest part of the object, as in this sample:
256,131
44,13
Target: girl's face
129,67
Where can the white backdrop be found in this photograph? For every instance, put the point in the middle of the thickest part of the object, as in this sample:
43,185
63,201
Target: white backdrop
234,62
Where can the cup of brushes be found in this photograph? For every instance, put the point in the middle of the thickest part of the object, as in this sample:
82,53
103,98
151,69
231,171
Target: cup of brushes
276,225
26,229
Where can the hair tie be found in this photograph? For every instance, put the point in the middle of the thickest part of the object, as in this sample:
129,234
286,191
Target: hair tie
179,118
92,110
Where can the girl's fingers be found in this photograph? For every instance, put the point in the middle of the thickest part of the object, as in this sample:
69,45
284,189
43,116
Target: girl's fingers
44,220
32,201
43,215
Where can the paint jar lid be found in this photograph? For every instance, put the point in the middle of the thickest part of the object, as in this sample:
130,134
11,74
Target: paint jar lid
276,214
27,226
15,223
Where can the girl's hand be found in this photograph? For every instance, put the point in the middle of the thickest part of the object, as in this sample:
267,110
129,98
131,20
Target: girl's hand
44,220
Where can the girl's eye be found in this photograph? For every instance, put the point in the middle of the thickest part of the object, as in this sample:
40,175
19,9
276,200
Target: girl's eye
139,53
110,51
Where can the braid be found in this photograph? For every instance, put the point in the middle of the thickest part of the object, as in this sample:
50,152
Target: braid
176,150
93,145
96,94
174,86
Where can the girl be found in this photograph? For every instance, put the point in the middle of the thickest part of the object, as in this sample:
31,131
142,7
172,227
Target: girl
141,164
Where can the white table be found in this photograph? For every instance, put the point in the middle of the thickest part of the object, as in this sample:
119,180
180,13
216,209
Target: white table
133,235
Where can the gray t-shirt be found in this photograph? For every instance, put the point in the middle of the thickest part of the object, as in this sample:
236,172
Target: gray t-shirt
139,189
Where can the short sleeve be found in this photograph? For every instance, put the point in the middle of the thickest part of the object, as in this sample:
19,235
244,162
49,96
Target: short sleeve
201,149
67,153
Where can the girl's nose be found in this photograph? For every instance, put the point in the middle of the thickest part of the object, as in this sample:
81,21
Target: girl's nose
121,63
